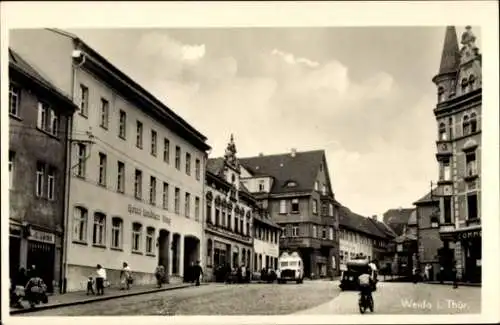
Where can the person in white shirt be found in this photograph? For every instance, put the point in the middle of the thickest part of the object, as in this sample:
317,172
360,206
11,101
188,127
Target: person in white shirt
99,280
374,270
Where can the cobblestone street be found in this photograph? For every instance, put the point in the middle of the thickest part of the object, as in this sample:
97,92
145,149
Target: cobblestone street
312,297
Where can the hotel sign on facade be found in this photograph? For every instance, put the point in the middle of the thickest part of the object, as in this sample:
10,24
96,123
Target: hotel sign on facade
148,213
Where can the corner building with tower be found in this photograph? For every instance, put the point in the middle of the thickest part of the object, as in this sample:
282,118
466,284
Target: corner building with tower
458,116
136,169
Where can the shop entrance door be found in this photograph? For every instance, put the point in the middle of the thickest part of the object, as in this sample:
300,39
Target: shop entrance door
42,256
14,255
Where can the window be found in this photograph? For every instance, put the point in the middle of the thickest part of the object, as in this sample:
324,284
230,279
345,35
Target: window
323,233
236,224
473,122
43,116
197,167
99,232
177,200
330,234
330,210
323,189
209,211
84,100
295,231
217,215
241,225
138,184
82,157
187,205
102,169
116,232
122,130
295,205
178,157
197,208
465,126
316,186
314,231
470,162
450,126
120,181
440,94
152,190
136,237
283,232
188,163
51,183
14,93
261,186
247,232
166,150
447,209
446,170
283,206
104,113
80,224
472,211
139,135
54,123
12,158
154,140
315,206
165,196
150,233
443,135
40,174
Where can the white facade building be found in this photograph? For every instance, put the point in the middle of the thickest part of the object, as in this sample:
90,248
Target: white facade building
354,243
136,180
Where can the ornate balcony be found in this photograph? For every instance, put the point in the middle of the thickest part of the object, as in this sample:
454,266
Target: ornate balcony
224,231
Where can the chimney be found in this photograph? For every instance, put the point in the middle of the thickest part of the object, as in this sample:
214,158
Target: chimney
374,217
294,152
261,154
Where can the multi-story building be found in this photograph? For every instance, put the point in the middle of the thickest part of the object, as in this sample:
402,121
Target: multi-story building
137,170
425,220
295,188
237,230
362,236
458,116
39,117
229,210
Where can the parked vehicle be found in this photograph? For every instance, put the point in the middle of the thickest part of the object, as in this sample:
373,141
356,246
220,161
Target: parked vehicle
290,268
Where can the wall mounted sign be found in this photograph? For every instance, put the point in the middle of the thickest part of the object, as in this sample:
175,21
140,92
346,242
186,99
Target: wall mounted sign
42,236
469,234
148,213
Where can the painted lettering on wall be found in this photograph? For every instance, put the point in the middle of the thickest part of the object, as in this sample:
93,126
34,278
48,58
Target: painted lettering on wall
148,213
42,236
469,235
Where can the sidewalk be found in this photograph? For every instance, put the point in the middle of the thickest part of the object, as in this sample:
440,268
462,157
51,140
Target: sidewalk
460,284
80,297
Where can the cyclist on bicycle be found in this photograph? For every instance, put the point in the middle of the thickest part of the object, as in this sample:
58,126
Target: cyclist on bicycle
366,283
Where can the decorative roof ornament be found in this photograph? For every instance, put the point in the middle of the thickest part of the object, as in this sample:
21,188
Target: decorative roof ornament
230,155
468,38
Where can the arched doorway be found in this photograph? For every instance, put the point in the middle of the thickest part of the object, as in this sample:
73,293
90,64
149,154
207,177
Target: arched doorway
191,252
163,249
248,260
236,253
175,254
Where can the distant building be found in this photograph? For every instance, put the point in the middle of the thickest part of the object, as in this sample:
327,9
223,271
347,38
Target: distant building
458,116
295,189
362,236
39,118
137,173
429,242
397,219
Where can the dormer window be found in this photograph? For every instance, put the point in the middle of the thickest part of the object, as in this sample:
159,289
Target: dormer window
443,135
291,184
440,94
316,186
465,125
465,82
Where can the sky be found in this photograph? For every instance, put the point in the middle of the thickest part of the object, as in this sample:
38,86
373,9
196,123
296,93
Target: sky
364,95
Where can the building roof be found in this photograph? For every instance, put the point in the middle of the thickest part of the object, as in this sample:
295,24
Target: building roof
397,219
359,223
450,56
302,169
428,198
20,65
178,123
412,221
215,166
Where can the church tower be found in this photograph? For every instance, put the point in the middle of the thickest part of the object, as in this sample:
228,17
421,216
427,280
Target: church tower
231,169
445,80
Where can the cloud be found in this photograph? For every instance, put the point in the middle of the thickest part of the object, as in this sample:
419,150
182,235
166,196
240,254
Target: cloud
193,52
291,59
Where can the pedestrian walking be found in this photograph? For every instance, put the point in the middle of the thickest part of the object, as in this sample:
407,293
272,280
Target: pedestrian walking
415,274
160,275
90,286
125,277
197,273
427,272
454,275
99,280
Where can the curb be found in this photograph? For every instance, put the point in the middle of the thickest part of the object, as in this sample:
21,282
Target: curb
96,299
459,284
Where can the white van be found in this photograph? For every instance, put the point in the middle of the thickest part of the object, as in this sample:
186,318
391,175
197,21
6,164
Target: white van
290,268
